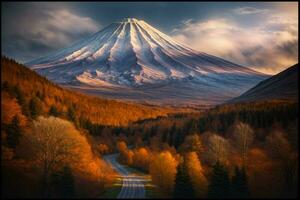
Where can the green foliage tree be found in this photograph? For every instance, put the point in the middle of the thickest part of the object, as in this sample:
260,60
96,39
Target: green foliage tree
63,182
219,186
239,187
183,184
14,132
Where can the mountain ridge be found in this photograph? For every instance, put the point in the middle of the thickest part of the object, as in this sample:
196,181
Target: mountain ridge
282,86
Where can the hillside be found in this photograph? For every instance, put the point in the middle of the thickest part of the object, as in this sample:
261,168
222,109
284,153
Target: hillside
282,86
30,89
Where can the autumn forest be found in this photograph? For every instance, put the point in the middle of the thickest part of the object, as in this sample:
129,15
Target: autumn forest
55,142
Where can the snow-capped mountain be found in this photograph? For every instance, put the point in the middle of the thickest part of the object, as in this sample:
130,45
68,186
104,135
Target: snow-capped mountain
132,60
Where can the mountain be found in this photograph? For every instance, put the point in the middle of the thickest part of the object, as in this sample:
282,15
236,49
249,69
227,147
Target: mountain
19,82
132,60
282,86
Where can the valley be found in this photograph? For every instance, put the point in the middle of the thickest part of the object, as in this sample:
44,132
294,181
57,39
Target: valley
149,100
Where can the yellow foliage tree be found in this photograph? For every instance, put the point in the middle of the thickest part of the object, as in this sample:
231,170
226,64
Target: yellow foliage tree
163,171
141,158
196,174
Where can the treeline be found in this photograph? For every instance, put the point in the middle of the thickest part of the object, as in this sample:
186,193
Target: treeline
36,95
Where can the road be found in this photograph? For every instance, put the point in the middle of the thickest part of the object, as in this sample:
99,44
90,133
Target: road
132,185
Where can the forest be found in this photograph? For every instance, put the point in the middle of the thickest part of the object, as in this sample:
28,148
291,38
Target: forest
53,141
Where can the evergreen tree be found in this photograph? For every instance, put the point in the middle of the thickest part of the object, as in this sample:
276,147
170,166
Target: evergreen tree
219,186
71,113
239,184
63,182
183,185
14,132
34,107
53,111
19,95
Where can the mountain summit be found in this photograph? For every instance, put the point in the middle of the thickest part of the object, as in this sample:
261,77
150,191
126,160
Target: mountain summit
132,60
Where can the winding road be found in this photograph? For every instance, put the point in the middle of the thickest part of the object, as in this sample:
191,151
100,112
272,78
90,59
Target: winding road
132,185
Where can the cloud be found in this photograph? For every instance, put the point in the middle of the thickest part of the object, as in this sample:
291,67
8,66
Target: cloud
249,10
41,31
269,47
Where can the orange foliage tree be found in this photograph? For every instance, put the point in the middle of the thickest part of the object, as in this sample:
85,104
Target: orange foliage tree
163,171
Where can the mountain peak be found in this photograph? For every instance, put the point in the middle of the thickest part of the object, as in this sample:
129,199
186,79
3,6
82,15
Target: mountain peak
134,55
129,20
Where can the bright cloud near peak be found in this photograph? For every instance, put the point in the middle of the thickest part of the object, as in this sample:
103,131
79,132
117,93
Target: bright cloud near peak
269,47
249,10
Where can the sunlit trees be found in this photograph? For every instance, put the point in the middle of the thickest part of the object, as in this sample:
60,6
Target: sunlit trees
9,109
216,148
163,170
103,148
183,185
141,158
52,144
242,137
219,186
126,155
196,173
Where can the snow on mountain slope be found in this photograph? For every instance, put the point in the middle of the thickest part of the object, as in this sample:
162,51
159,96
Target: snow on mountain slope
132,60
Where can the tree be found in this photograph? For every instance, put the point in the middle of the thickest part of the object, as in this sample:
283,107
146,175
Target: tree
163,171
239,186
52,144
216,148
19,95
281,150
196,174
219,186
34,107
192,143
71,114
243,138
126,155
14,132
63,182
183,186
53,111
141,159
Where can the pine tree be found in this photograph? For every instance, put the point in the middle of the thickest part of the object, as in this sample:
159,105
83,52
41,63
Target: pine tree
71,114
219,186
53,111
14,132
34,107
239,184
183,185
63,182
19,95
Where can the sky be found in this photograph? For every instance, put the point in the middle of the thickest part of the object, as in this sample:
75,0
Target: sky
259,35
